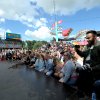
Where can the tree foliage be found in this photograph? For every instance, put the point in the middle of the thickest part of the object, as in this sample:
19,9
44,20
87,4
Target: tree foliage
32,44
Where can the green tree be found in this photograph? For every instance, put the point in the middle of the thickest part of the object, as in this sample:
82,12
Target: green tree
29,45
38,44
32,44
23,45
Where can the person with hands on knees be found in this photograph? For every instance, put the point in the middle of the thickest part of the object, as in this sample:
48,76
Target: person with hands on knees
68,73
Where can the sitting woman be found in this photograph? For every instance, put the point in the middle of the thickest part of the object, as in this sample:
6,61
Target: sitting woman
48,64
68,73
32,61
79,60
27,60
14,56
58,66
39,64
0,56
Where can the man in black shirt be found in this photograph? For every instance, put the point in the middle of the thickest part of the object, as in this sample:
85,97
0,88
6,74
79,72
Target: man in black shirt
91,67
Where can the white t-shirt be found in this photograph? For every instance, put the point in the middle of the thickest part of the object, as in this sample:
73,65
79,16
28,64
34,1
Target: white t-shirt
79,62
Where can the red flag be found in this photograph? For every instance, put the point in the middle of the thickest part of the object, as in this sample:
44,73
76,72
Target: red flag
53,25
67,32
60,21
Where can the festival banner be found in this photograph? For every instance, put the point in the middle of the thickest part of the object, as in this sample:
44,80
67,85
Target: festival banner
13,36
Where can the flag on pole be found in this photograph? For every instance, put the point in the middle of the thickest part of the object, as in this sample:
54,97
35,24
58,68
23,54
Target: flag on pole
67,32
60,21
53,25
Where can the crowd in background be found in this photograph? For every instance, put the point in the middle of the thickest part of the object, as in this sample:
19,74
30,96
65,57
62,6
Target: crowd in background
10,54
64,61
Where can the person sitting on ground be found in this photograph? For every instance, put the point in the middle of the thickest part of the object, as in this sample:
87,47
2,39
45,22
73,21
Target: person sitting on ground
33,60
39,64
79,59
68,73
62,56
27,61
58,66
48,64
14,56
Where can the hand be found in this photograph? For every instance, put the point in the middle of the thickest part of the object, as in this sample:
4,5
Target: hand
61,75
78,69
87,66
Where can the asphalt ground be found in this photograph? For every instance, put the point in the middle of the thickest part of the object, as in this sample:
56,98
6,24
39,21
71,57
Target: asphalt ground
22,83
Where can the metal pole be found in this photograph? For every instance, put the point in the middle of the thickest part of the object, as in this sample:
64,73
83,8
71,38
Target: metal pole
56,30
56,26
54,10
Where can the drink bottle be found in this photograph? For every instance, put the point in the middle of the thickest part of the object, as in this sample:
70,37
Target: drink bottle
93,96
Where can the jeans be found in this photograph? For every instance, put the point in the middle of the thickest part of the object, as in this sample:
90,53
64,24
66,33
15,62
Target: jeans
97,88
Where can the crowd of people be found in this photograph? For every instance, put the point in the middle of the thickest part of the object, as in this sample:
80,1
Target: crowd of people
70,64
10,54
